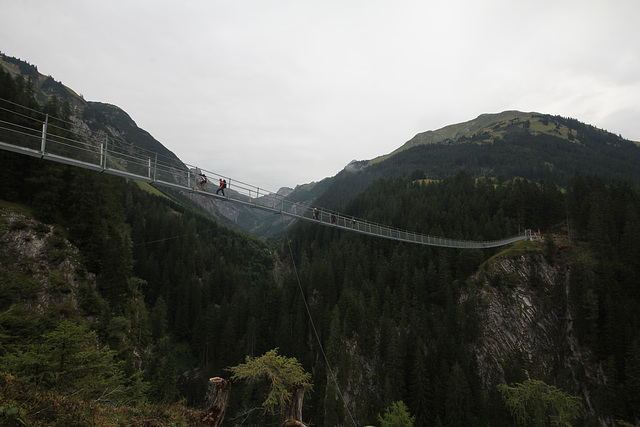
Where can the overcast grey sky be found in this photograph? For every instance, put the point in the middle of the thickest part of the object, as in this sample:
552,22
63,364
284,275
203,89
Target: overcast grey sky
278,93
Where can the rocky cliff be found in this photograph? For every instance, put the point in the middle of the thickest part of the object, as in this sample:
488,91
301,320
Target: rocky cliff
40,269
527,328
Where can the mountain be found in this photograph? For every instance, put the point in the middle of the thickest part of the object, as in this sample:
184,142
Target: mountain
502,146
454,132
99,121
487,128
163,297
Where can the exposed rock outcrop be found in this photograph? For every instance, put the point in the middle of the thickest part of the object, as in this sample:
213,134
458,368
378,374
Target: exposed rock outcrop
526,325
39,254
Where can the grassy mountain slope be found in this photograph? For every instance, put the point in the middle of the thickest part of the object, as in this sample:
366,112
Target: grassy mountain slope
491,127
456,131
502,146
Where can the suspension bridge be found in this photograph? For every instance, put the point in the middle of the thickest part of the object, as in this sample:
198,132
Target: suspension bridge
35,134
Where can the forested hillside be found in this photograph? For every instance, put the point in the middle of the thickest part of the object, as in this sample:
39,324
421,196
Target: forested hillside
501,146
154,297
406,319
137,244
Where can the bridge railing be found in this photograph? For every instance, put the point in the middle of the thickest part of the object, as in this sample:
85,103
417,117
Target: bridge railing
33,133
20,133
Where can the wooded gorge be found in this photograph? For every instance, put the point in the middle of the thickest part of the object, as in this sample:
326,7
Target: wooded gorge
158,297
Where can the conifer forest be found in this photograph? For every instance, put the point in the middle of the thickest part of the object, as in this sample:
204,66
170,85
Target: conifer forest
136,298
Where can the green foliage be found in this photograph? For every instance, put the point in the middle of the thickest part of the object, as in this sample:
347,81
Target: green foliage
550,248
22,405
68,360
21,325
16,284
162,373
534,403
280,372
58,284
396,415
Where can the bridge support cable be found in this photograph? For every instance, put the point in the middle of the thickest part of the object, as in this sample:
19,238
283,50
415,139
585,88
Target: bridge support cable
50,139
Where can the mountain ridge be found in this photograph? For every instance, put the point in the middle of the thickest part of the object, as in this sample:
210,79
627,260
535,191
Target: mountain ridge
486,122
453,131
486,145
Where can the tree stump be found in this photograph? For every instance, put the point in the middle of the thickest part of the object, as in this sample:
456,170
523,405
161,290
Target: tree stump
294,411
216,401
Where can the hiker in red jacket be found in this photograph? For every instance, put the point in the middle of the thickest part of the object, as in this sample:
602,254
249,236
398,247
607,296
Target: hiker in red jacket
223,185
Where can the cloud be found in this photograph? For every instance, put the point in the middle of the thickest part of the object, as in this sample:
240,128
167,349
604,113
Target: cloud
287,92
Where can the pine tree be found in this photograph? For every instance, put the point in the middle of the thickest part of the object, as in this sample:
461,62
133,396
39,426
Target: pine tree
419,385
333,406
69,359
396,415
161,373
159,319
632,383
534,403
281,374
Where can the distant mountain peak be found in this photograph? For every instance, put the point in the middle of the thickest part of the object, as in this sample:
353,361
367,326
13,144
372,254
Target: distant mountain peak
284,191
355,165
466,128
455,131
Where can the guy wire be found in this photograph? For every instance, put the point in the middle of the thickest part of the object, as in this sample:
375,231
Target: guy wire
315,331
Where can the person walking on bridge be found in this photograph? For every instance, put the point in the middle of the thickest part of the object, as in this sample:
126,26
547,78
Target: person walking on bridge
202,179
223,185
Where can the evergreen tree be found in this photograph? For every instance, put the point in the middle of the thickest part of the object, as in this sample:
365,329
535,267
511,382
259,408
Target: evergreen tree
396,415
280,372
333,405
159,318
161,373
420,385
458,400
632,384
534,403
70,360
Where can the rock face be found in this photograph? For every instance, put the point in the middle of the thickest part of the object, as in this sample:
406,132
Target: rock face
42,264
519,322
526,326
